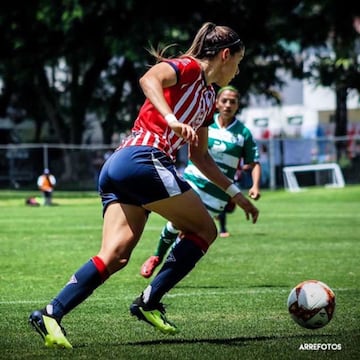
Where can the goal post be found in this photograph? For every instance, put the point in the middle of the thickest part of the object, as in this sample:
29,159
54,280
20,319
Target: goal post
291,182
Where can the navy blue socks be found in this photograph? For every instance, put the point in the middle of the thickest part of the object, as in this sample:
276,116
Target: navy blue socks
80,286
180,261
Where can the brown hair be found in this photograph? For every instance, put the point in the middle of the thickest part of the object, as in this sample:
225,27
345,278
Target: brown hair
208,41
212,38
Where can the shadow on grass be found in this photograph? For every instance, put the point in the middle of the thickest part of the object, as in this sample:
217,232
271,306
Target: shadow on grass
236,341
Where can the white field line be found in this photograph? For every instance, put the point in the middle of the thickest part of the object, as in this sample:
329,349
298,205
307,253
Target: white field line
201,292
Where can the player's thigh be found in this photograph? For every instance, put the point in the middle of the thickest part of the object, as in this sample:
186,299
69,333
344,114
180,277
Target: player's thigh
187,213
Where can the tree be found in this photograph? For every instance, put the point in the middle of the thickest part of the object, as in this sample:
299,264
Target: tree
75,57
68,58
334,38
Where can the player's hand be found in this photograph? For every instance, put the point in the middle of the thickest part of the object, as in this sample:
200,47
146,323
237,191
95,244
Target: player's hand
185,131
254,193
250,210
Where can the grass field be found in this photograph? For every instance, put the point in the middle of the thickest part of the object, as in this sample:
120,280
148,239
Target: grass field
232,306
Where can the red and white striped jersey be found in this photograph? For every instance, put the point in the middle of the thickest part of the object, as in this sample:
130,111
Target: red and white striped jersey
191,100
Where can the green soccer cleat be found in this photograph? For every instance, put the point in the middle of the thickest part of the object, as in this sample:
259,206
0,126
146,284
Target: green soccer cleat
49,329
155,316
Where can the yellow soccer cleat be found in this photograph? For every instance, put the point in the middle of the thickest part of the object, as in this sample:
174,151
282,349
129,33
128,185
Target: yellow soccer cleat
49,329
153,316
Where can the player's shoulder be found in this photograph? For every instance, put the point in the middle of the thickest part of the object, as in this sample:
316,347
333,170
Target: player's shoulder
241,127
183,61
185,66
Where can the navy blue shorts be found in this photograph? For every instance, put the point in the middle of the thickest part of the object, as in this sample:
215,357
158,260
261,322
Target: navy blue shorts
139,175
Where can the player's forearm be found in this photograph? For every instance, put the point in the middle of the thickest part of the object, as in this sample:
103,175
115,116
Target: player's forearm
256,175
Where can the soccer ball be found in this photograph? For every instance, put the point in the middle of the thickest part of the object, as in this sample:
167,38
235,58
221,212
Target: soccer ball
311,304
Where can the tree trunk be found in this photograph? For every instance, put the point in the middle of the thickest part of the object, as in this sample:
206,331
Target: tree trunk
50,110
341,120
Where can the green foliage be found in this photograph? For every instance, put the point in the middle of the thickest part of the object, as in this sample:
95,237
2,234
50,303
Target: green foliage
62,52
232,306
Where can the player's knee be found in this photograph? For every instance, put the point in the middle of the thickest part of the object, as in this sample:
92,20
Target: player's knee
204,238
117,264
209,234
114,259
212,233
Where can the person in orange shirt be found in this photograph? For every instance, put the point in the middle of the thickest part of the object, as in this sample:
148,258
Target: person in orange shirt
46,183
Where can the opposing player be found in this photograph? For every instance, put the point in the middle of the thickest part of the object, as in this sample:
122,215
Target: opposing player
140,177
230,142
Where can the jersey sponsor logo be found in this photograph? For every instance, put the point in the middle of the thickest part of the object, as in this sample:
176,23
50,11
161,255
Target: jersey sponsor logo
218,146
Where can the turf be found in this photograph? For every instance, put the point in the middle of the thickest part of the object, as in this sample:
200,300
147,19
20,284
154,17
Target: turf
232,306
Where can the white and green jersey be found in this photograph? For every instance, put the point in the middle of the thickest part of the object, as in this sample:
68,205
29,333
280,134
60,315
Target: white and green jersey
227,146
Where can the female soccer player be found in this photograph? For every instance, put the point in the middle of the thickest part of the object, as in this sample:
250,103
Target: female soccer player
140,178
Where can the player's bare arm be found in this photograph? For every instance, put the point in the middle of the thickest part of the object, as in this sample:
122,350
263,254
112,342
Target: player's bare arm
200,156
161,76
254,191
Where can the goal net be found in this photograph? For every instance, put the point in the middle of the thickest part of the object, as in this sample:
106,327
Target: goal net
296,178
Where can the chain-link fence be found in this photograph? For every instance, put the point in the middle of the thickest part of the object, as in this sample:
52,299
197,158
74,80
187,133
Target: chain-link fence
76,167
